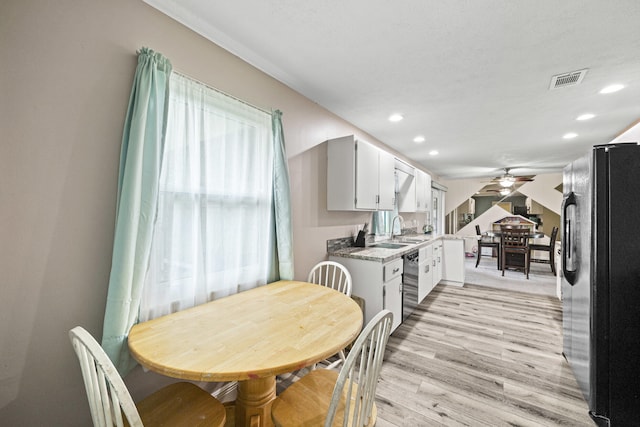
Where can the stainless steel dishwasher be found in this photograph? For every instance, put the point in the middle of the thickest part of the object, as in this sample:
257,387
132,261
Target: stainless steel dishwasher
410,283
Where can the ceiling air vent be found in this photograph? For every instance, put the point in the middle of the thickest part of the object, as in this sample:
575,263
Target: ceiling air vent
567,79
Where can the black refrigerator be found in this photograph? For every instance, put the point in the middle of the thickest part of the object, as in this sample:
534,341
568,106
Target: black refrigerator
601,280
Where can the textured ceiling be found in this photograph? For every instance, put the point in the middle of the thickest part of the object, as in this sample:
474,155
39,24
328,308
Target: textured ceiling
472,77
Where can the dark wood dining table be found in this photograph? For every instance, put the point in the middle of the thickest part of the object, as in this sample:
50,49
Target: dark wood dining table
249,337
498,233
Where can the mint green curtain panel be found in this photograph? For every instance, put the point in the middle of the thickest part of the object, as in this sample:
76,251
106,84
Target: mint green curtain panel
140,164
139,182
282,205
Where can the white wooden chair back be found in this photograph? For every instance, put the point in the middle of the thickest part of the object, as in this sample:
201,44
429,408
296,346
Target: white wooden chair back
333,275
107,393
360,373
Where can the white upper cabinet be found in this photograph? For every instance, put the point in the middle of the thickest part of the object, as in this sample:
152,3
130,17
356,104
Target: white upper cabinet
423,191
415,191
406,186
359,176
386,181
366,183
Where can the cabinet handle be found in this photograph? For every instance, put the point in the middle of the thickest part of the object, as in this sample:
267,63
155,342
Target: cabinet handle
384,297
434,262
426,268
395,270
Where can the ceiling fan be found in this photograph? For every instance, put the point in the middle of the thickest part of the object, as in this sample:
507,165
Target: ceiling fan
503,191
507,179
506,183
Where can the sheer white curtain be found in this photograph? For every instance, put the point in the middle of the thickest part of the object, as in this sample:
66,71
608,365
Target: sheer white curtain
212,236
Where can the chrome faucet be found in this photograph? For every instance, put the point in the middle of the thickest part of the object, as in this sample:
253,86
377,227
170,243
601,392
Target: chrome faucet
393,221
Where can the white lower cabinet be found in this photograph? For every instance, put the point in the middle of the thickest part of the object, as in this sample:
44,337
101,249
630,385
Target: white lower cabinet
392,290
425,272
453,262
378,284
437,262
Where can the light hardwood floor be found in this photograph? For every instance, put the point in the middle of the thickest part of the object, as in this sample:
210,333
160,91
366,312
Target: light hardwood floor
479,356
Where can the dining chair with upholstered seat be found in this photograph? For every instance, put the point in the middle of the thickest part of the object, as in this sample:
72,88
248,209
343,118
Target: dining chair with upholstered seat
335,276
514,244
549,248
178,404
487,242
326,397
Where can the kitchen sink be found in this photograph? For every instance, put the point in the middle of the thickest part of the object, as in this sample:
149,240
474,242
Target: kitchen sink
388,245
413,240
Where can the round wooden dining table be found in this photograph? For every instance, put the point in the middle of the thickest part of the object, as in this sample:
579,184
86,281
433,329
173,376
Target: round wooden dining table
249,337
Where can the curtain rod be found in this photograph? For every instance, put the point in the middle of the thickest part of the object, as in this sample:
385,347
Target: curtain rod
222,92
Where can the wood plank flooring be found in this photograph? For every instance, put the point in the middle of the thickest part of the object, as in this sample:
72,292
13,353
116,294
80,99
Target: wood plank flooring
479,356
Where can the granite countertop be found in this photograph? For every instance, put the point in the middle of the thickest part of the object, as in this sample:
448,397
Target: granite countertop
372,252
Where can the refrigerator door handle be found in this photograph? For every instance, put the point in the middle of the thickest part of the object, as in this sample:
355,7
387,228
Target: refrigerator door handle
569,264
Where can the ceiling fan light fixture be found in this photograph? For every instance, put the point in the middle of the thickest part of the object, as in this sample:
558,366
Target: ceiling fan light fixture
505,191
506,182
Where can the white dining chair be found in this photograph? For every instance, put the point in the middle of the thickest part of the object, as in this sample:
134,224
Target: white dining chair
178,404
335,276
326,397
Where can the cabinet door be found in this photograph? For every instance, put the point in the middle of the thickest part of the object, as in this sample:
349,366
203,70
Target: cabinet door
407,192
453,261
366,175
386,180
437,263
392,293
367,283
427,191
425,278
423,191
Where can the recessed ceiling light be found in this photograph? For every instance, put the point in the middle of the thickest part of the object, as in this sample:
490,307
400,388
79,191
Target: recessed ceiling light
395,117
433,152
612,88
587,116
418,139
569,135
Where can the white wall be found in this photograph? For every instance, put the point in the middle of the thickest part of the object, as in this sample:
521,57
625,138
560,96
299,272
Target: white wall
461,190
67,70
542,190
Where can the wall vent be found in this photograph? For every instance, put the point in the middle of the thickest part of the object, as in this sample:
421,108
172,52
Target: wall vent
567,79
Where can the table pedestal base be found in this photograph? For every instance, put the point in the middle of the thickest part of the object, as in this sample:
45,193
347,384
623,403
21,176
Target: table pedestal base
253,402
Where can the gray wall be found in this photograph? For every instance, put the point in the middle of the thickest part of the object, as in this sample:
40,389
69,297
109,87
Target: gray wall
484,203
66,74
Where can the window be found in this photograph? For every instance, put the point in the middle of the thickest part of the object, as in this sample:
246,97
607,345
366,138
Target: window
213,233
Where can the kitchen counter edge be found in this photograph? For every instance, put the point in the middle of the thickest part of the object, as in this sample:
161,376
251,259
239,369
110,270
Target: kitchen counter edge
385,255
